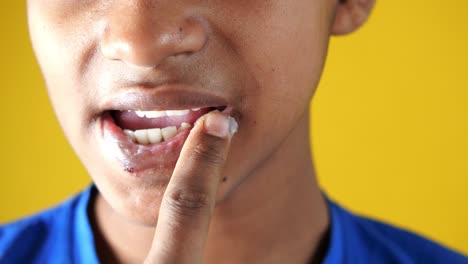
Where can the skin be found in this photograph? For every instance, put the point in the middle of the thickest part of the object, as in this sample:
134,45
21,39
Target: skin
265,58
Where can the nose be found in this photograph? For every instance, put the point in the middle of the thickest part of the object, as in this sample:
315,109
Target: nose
144,35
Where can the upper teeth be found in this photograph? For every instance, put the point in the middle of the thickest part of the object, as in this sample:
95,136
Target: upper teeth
155,114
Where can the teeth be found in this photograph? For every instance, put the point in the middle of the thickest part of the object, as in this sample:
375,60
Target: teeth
130,134
156,114
184,126
154,135
177,112
142,136
169,132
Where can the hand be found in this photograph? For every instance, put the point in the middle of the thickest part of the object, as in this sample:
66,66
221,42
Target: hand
188,202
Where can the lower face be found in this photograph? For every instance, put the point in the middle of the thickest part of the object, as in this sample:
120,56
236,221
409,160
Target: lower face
260,64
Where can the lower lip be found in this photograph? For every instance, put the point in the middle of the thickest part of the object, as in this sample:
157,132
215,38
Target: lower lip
135,158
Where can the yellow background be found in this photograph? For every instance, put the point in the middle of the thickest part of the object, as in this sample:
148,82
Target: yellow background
389,121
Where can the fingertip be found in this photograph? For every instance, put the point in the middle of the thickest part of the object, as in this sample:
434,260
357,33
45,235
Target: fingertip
216,124
219,125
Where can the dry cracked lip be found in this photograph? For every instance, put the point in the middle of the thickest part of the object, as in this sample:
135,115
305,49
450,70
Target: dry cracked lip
143,140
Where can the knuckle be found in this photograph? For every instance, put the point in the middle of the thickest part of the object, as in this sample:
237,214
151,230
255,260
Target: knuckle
208,153
188,201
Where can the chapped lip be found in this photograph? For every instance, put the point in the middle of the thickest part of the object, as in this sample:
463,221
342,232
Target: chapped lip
159,100
138,159
134,157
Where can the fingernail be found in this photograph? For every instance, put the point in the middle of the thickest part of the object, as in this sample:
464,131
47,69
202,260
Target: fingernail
217,124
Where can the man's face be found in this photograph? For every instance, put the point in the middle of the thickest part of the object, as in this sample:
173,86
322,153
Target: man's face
259,60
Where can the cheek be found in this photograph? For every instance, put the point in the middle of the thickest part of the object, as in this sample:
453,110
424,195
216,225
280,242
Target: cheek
285,53
293,53
286,50
58,47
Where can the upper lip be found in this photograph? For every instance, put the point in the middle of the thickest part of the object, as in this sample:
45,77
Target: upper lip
165,97
171,86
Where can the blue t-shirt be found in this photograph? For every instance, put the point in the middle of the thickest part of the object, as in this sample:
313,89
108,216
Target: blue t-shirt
63,235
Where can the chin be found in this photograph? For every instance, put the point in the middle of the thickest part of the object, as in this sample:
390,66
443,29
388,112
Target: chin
130,198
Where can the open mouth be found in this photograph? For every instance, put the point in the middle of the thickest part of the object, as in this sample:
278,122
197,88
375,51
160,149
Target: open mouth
155,127
148,142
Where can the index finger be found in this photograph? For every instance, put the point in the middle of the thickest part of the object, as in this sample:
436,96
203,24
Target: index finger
190,196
